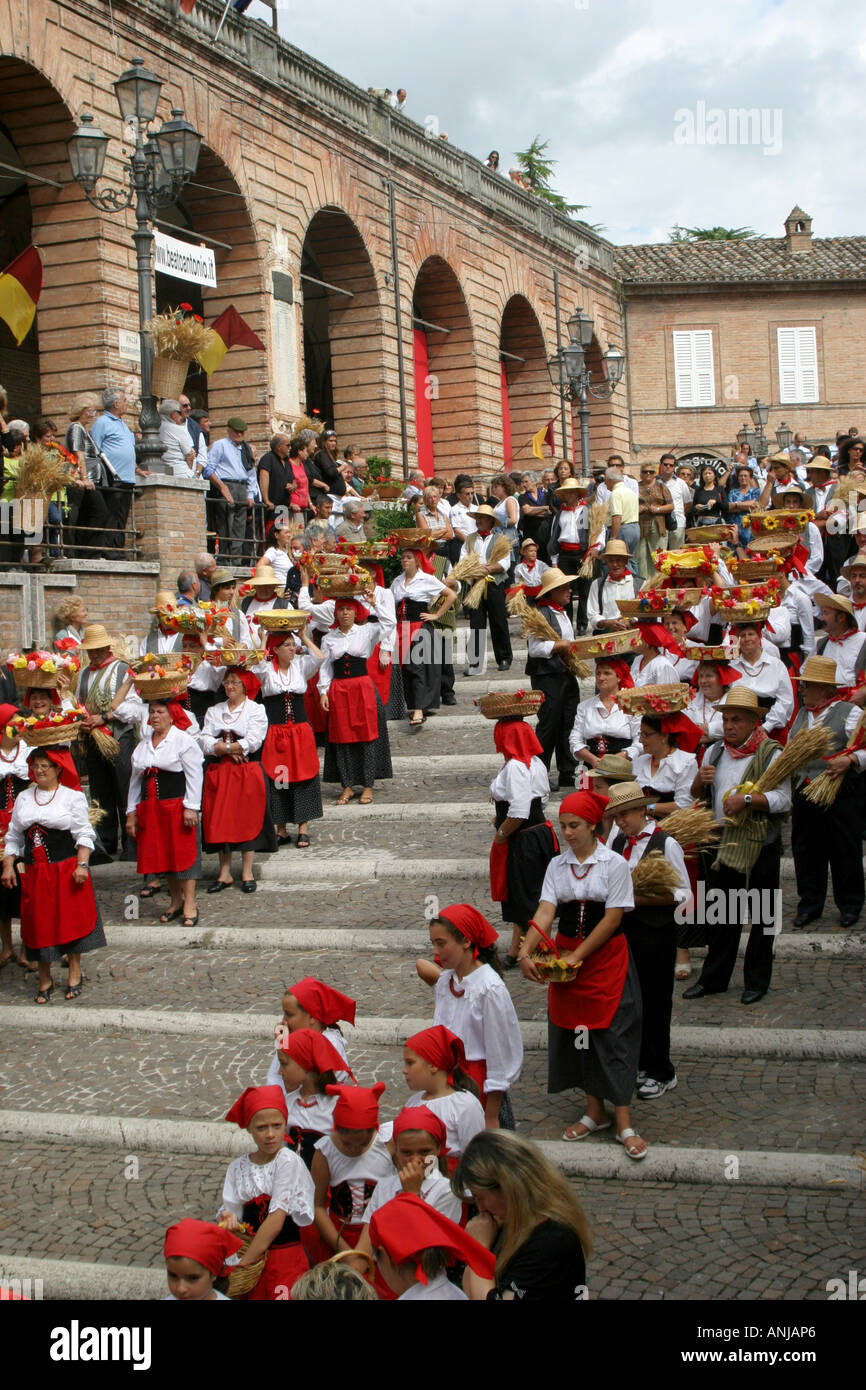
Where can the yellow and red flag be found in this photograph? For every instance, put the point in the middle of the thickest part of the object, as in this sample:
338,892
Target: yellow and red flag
228,331
20,288
544,436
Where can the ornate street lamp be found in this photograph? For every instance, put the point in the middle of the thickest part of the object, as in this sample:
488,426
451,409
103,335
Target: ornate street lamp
784,436
159,167
569,374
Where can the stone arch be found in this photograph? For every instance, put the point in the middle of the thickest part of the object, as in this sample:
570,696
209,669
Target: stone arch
343,331
446,399
526,381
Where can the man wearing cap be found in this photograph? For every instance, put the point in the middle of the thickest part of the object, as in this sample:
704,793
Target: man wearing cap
602,610
231,469
843,642
828,837
492,606
852,584
105,689
749,854
547,672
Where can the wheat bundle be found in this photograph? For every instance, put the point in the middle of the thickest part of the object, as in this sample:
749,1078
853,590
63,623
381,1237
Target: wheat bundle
517,605
692,825
95,814
468,569
655,877
41,473
803,748
177,337
534,624
823,789
106,743
855,482
597,514
498,551
304,422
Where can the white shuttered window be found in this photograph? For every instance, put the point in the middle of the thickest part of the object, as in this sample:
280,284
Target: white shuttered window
798,365
693,368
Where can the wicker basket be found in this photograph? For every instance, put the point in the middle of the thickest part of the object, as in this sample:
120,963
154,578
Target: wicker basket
232,656
52,734
35,680
756,569
371,550
167,687
606,644
754,611
547,963
281,619
414,539
707,535
658,602
172,661
344,584
781,522
773,545
502,706
241,1282
168,377
654,700
729,653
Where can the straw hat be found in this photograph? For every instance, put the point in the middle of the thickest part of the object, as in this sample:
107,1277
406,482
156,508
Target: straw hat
613,767
844,605
779,458
857,562
625,796
96,637
264,576
484,510
819,461
220,577
529,541
615,548
164,599
821,670
553,579
572,486
739,696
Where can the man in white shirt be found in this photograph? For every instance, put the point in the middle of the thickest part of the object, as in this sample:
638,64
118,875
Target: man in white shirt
462,521
178,449
682,498
854,578
397,100
843,641
602,612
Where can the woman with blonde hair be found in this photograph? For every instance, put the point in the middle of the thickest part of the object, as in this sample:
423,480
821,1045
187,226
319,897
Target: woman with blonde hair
88,512
528,1217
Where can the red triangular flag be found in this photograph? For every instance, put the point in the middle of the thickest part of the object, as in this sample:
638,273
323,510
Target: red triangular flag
228,331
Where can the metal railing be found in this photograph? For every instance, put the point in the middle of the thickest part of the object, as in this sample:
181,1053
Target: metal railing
35,534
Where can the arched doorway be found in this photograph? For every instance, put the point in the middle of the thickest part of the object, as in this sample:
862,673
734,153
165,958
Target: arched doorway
213,209
343,349
526,396
446,405
37,195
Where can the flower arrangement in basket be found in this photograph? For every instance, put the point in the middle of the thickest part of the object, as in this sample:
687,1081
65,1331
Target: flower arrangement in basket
760,567
551,965
751,610
232,654
688,563
204,617
503,705
59,727
598,645
658,601
378,482
770,523
342,583
179,335
241,1282
180,661
723,596
281,619
39,670
706,535
413,538
370,550
161,683
654,699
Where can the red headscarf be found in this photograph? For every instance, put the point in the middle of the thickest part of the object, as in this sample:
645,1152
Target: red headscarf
251,684
357,1106
313,1052
272,641
55,695
726,673
202,1241
254,1099
688,734
471,924
423,561
514,738
322,1003
589,806
620,668
62,758
360,609
7,712
421,1117
179,717
657,635
440,1047
407,1226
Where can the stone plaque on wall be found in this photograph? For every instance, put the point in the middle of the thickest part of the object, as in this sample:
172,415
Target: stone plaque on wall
284,340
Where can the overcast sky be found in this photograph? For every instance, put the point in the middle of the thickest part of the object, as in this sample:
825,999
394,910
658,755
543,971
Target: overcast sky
618,87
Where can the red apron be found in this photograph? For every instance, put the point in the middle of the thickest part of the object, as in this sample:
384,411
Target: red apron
54,909
353,715
313,706
499,872
233,803
164,844
283,1268
289,753
592,998
379,675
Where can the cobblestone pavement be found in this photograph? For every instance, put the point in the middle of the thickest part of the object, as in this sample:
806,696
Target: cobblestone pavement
651,1240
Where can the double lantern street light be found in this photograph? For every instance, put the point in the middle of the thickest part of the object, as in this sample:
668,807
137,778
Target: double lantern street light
755,439
573,379
159,167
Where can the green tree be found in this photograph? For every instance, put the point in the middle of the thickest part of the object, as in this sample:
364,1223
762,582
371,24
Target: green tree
679,233
537,169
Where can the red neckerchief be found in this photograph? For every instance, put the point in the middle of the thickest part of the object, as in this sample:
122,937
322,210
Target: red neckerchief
751,746
852,631
557,607
823,704
858,606
99,666
631,841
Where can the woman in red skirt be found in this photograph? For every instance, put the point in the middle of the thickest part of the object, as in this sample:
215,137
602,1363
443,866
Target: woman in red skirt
50,831
14,779
234,808
163,805
289,755
357,749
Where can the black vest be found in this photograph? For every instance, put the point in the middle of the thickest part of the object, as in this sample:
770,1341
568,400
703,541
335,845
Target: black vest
645,916
550,665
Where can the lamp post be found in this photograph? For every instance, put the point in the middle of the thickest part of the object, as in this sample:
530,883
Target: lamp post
162,162
784,436
760,415
571,377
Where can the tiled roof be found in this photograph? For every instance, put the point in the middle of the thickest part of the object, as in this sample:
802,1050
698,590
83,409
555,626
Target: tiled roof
735,262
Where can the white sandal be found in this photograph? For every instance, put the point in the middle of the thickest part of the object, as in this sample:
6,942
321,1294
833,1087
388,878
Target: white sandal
591,1128
628,1134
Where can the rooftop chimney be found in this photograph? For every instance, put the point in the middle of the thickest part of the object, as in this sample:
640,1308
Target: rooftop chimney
798,232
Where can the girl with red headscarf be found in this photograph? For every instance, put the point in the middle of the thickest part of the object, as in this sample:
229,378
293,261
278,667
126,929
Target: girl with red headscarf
414,1245
195,1254
50,831
654,662
594,1027
600,726
357,750
164,803
312,1004
415,591
270,1190
308,1065
14,779
289,756
471,1000
523,840
235,797
435,1070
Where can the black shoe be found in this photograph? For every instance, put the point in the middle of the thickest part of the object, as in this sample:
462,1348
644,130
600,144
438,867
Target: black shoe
248,885
751,996
696,992
503,665
219,886
449,699
849,918
803,919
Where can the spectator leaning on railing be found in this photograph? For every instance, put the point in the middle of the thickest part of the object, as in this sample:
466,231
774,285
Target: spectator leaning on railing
116,442
177,442
231,468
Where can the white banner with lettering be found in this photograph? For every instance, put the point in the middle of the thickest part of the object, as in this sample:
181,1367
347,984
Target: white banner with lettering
182,260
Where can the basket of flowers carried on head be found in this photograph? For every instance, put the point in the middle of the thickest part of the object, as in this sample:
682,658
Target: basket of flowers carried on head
598,645
350,583
780,522
40,670
61,726
657,601
655,700
282,619
758,567
209,618
506,705
368,550
693,565
719,534
161,683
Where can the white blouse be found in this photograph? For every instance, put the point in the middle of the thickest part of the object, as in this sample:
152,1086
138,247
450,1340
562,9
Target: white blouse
280,562
703,712
248,723
674,774
18,765
592,720
435,1191
316,1114
66,810
461,1113
292,681
178,752
285,1180
425,588
604,878
483,1017
657,671
769,679
519,785
384,613
361,640
372,1165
